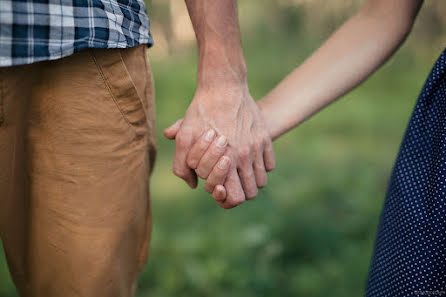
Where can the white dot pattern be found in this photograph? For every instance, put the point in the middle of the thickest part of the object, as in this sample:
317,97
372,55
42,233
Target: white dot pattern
410,253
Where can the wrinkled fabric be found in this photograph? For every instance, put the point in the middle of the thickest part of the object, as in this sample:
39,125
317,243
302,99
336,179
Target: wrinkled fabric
77,147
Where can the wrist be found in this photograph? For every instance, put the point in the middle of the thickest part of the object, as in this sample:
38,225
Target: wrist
269,119
219,87
219,63
225,98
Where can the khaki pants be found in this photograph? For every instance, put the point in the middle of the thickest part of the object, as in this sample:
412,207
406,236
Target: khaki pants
77,146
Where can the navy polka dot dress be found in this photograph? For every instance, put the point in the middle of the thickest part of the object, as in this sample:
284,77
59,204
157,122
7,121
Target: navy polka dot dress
410,250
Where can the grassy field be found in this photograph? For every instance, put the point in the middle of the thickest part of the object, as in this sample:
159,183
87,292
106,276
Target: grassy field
311,231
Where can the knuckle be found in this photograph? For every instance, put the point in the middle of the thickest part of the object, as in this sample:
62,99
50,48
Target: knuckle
252,194
237,203
272,165
226,206
259,166
201,173
237,200
178,172
262,183
217,151
233,200
217,176
258,146
203,145
192,163
244,153
246,174
267,144
209,187
184,140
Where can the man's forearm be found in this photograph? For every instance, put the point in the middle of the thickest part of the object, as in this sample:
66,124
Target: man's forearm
222,102
221,59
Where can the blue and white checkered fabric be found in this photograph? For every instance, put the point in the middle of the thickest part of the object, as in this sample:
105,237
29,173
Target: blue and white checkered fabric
39,30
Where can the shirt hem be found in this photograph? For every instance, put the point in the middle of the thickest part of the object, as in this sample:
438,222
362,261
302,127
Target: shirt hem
17,61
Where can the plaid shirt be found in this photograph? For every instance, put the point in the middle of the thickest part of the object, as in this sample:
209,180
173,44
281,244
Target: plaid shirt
38,30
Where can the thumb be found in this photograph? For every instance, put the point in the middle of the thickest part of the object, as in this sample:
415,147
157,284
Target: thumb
172,131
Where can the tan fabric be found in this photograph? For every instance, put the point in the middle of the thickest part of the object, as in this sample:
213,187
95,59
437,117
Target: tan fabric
77,146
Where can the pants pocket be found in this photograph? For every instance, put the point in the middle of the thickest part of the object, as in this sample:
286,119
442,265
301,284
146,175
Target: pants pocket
121,87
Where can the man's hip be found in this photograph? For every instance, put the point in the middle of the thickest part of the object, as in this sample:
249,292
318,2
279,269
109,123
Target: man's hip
77,145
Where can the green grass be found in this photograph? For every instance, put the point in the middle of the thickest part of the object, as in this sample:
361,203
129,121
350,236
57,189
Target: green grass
311,231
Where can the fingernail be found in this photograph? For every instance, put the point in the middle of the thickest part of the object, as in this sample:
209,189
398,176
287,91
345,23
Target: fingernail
221,141
223,164
210,135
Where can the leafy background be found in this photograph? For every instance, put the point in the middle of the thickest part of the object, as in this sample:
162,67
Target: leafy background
311,231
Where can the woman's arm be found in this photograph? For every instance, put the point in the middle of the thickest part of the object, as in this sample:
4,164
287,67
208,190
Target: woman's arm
345,60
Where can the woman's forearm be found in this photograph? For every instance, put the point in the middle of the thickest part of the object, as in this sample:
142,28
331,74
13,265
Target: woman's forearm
351,55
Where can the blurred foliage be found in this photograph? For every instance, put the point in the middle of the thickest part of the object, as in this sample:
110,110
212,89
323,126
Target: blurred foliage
311,230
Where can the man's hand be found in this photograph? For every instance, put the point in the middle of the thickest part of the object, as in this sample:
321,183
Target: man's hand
222,102
230,110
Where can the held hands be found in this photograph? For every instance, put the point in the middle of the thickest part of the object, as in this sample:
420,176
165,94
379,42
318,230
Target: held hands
208,155
223,139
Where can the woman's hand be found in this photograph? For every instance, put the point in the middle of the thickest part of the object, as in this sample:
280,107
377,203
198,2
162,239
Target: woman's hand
207,157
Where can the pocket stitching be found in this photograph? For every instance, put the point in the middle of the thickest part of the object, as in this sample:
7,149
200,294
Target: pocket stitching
134,87
149,78
110,91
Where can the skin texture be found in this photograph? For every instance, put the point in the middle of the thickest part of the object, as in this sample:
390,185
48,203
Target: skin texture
210,157
222,102
344,61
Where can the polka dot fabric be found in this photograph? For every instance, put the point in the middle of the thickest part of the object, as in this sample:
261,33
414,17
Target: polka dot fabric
410,250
